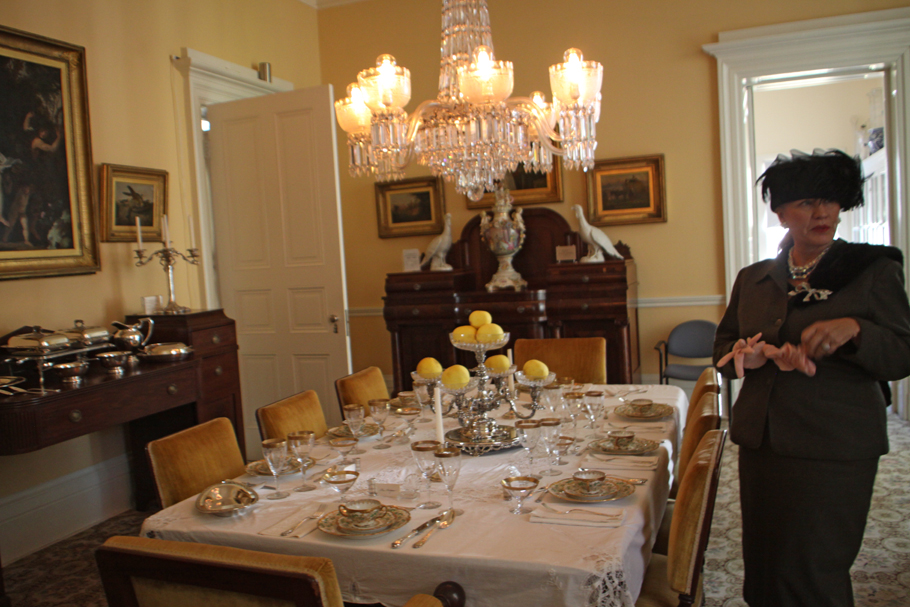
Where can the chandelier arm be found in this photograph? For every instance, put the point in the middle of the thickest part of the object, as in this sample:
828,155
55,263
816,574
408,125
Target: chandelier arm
417,118
547,134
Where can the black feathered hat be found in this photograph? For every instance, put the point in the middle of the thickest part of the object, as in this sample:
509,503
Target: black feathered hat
826,175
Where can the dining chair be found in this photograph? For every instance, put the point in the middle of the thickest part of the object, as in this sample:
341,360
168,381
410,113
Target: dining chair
708,381
675,579
144,572
705,419
584,359
186,462
301,411
361,387
691,339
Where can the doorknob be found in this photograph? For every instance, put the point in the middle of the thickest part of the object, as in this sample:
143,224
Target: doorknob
334,320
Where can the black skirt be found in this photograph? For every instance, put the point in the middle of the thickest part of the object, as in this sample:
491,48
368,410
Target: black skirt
803,523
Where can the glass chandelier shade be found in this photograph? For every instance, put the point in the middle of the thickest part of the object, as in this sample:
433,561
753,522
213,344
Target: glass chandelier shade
474,132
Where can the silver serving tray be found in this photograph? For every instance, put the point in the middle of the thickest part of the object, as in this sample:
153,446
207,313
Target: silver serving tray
165,352
225,499
508,440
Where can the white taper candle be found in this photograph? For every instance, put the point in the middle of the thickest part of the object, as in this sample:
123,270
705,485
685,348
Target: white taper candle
512,376
138,234
165,234
440,435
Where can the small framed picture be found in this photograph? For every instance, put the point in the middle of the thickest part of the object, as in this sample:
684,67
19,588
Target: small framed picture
527,187
410,207
626,191
130,197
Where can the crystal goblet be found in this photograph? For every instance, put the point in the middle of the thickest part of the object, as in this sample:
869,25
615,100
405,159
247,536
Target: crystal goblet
528,435
379,411
549,433
353,417
423,451
275,451
448,465
341,482
300,443
520,487
343,446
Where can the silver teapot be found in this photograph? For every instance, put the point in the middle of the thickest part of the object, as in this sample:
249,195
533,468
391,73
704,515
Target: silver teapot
131,336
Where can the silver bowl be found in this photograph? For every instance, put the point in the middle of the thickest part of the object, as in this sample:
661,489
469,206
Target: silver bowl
71,373
113,361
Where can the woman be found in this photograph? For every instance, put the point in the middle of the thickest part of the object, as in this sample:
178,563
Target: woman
815,334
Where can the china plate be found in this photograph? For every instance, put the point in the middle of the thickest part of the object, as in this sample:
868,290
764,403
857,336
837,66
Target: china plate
623,489
345,432
638,446
657,412
224,499
580,491
261,468
328,523
380,523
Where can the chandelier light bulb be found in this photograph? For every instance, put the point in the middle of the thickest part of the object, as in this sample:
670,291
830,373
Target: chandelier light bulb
386,87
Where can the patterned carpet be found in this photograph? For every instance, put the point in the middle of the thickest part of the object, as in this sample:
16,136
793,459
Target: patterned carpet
64,575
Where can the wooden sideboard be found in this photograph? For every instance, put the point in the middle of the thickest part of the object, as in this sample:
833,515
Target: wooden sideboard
562,300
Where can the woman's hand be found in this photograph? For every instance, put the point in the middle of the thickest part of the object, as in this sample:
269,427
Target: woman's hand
746,354
824,337
789,357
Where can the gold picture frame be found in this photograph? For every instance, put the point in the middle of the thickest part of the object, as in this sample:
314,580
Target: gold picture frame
411,207
46,185
128,193
527,187
627,191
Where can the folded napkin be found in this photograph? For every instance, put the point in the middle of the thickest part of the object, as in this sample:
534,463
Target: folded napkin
314,510
620,462
639,427
580,519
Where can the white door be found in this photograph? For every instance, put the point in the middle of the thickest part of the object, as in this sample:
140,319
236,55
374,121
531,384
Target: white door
278,246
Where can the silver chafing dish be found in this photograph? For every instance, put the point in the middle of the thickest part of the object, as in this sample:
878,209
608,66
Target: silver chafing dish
86,336
38,343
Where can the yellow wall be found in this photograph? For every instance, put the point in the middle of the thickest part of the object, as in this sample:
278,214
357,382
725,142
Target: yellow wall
132,109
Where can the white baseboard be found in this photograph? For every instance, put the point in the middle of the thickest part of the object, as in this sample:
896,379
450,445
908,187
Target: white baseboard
38,517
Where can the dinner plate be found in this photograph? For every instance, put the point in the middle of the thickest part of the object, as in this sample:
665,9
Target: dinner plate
590,491
658,411
261,468
380,523
225,498
638,446
328,523
344,432
623,489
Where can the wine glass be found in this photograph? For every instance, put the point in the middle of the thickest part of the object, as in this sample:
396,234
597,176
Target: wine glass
379,410
409,414
552,394
567,384
575,402
343,446
424,399
353,417
562,446
594,407
549,433
528,435
520,487
300,443
341,482
275,451
448,465
423,454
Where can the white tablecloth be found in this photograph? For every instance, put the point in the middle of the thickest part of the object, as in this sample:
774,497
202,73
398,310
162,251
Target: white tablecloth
501,559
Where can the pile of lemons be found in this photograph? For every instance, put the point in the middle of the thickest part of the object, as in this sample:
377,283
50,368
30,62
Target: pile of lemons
481,329
454,377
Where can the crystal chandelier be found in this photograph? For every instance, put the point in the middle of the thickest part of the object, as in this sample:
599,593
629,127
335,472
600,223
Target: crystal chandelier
473,133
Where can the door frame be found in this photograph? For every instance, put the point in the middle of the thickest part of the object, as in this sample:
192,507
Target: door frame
208,80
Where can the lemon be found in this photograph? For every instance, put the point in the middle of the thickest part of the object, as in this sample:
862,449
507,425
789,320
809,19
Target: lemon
534,369
455,377
429,368
479,318
489,332
498,364
465,333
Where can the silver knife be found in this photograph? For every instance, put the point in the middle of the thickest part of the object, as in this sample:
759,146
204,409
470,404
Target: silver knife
426,525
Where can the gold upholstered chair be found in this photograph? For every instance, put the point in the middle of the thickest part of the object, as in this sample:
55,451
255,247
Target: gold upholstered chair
188,461
584,359
142,572
676,578
708,381
361,387
301,411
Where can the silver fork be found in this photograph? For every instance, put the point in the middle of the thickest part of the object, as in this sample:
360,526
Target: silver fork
606,514
316,514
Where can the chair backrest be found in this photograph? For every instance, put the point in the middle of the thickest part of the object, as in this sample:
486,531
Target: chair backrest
188,461
359,388
143,572
692,339
301,411
692,516
708,382
704,416
584,359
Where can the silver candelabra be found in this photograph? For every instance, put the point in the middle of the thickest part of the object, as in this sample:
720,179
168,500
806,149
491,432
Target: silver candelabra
168,256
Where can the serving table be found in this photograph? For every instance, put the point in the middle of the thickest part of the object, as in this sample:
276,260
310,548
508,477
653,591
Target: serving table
499,558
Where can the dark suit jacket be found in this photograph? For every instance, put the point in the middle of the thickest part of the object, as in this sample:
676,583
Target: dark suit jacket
840,412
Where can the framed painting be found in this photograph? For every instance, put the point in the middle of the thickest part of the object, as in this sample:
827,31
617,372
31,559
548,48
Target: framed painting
47,224
411,207
527,187
627,190
131,197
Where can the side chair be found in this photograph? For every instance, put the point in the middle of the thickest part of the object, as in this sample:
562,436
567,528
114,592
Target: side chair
186,462
708,381
584,359
361,387
301,411
691,339
676,579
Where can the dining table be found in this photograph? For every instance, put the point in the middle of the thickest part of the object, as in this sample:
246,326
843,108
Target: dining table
508,560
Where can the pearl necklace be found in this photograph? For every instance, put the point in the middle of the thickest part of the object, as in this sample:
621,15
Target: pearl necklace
801,272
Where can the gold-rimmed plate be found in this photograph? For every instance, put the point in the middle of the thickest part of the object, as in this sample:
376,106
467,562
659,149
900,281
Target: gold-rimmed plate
328,523
658,411
612,489
638,446
380,523
344,432
261,468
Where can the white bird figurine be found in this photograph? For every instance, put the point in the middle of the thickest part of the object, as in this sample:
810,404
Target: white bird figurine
598,242
439,248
